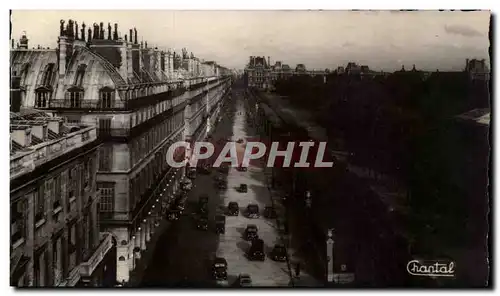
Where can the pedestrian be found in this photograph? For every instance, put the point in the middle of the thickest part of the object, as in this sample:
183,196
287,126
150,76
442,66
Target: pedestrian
297,270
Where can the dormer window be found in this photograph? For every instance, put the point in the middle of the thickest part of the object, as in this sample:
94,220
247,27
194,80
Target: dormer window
74,96
42,98
106,98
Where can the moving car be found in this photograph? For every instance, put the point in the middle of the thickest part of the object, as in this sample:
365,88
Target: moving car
243,188
241,168
244,280
279,253
256,251
270,212
173,215
191,173
186,185
222,185
251,232
204,169
253,211
219,269
202,223
220,224
233,209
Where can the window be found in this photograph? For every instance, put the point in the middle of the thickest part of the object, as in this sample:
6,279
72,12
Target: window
106,98
105,158
86,170
71,198
18,220
75,98
41,99
39,198
57,202
107,190
104,126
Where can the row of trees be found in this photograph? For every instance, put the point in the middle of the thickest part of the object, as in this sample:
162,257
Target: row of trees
400,125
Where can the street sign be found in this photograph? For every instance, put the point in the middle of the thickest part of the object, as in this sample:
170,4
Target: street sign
343,278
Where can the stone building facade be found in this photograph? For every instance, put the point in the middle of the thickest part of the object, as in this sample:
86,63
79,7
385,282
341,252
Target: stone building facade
55,237
140,105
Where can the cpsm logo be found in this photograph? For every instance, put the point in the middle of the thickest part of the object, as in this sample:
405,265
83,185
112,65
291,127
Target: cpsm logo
431,268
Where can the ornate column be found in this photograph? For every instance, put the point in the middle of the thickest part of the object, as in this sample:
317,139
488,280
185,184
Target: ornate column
143,236
147,229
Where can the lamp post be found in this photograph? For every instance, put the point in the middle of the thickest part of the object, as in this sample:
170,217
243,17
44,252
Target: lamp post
329,255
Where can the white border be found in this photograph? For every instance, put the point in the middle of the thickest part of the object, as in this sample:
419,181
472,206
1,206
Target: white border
185,4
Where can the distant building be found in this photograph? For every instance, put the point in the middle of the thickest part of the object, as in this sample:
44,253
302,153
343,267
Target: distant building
259,73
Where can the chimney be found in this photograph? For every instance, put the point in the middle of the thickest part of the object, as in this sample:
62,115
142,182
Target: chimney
39,130
130,67
115,33
101,30
109,31
63,48
21,134
269,61
55,124
23,41
130,35
466,64
135,36
123,54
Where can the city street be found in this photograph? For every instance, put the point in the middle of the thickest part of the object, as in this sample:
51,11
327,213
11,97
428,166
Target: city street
183,254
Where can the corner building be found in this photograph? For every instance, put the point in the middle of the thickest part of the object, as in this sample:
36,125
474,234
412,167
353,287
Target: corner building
55,237
140,104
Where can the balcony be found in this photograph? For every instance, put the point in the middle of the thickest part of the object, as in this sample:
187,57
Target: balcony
26,161
117,104
88,267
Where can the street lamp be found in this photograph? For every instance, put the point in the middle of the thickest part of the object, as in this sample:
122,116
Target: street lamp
329,254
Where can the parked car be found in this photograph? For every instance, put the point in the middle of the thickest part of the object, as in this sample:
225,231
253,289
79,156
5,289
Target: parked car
233,209
279,253
251,232
256,251
243,188
219,269
244,280
252,211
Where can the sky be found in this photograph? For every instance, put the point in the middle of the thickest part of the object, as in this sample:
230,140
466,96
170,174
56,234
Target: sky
383,40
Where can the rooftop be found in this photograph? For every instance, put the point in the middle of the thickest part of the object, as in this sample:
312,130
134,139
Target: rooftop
36,138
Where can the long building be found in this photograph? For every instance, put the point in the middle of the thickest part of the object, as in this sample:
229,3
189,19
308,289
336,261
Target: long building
141,100
261,74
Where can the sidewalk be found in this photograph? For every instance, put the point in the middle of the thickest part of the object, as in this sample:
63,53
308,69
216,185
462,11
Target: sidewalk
294,242
146,255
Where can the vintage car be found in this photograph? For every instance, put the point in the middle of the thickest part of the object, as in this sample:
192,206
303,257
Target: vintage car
252,211
256,251
173,215
220,224
244,280
202,223
243,188
233,209
219,269
270,212
191,173
241,168
251,232
222,185
279,253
